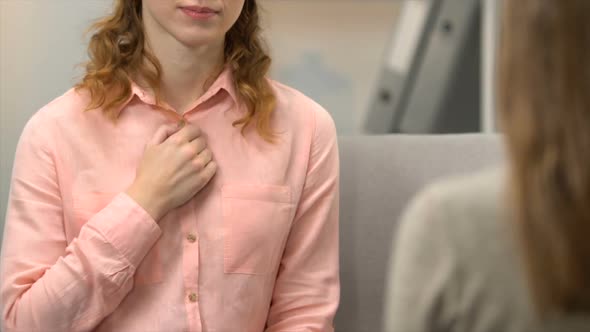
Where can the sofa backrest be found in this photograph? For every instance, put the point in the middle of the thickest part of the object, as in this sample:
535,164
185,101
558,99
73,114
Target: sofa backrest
379,175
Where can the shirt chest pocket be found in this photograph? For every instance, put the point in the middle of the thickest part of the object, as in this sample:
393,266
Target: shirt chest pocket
256,222
88,205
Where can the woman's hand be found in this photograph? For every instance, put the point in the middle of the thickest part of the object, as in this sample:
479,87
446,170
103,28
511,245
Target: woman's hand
175,166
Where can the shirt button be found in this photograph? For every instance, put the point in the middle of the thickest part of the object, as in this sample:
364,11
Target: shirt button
192,238
193,297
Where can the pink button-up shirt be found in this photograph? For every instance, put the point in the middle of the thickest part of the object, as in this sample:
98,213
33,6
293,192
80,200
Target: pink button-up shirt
255,250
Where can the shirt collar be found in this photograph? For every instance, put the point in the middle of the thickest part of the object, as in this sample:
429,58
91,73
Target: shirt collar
225,81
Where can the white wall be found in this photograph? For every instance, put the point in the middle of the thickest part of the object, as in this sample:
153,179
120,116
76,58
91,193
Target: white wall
335,63
40,43
331,50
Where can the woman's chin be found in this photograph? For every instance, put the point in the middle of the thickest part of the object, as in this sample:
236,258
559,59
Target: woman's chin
201,41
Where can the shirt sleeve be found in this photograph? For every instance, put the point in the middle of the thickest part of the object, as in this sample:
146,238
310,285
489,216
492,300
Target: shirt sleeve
46,283
422,279
307,289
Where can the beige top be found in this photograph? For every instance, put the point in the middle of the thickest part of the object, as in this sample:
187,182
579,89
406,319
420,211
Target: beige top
455,265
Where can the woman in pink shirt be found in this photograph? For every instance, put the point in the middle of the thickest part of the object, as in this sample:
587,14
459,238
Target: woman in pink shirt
175,188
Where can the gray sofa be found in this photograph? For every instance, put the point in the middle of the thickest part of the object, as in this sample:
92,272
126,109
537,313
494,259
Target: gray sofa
379,175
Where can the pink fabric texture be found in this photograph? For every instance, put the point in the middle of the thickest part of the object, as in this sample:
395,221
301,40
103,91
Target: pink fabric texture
255,250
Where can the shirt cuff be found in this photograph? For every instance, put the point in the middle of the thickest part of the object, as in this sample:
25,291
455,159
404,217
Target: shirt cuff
128,227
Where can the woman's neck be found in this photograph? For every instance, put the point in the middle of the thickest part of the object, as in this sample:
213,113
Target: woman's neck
185,71
185,75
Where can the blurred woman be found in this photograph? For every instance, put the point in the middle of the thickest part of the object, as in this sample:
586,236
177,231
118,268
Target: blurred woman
508,250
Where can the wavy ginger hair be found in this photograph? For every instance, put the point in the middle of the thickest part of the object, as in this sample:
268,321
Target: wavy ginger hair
117,51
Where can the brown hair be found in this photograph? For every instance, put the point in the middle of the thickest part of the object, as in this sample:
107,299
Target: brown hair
117,51
544,104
